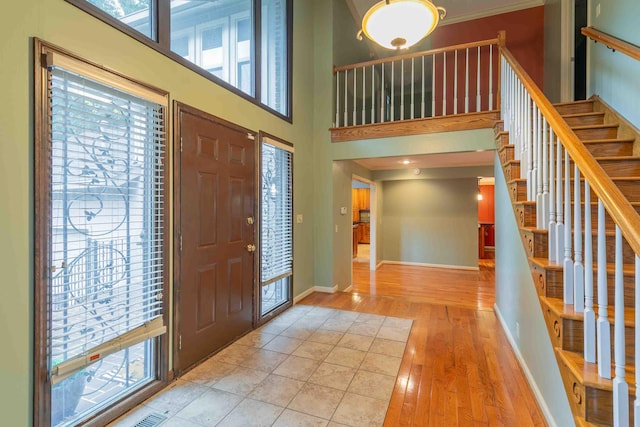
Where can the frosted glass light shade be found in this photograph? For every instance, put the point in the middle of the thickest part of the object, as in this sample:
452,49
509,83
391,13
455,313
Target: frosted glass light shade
402,23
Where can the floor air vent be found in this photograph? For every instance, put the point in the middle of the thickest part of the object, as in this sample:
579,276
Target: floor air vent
151,420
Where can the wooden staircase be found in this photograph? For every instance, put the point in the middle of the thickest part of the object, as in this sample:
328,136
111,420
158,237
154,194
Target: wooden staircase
610,139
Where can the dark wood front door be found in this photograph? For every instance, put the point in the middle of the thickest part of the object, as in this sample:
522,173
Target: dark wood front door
215,200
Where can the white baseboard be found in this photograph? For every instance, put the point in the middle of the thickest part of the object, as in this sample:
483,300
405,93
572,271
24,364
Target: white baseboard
324,289
302,295
349,289
525,368
379,264
423,264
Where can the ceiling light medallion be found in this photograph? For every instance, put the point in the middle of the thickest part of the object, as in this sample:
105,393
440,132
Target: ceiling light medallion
399,24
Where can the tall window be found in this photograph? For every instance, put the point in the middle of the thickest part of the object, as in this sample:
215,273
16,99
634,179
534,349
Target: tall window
219,39
276,228
102,213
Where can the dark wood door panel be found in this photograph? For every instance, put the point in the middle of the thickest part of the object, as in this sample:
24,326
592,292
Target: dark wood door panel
216,270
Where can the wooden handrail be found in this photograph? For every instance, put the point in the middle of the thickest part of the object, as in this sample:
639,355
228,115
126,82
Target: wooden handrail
616,204
612,42
481,43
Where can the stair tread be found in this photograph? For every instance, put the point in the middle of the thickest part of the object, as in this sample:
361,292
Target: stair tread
607,140
566,311
603,126
581,422
583,101
592,113
587,373
535,230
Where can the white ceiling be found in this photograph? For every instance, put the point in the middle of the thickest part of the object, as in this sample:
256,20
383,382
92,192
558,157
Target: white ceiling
425,161
457,10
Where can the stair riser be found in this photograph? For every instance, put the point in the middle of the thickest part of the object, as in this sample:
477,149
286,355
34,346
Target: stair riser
609,132
512,170
498,126
629,188
610,149
549,284
582,107
518,191
525,215
535,245
618,167
502,139
572,338
591,119
506,154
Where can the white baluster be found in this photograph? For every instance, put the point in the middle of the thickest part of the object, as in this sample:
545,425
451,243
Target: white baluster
402,89
537,135
527,135
338,99
393,92
589,315
433,85
552,201
490,77
412,90
568,262
422,105
355,94
373,94
620,386
455,83
346,90
478,99
383,102
444,83
578,267
603,326
636,403
466,86
545,172
364,97
559,205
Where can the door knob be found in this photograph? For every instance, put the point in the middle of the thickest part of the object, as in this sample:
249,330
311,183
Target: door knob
250,220
251,248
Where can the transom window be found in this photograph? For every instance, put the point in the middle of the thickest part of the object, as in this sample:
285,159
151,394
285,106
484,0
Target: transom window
220,39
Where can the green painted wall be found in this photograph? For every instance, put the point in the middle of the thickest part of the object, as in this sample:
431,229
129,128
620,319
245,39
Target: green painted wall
613,75
62,24
431,221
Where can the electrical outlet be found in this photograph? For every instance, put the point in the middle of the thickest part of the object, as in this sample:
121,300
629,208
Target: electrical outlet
517,330
598,10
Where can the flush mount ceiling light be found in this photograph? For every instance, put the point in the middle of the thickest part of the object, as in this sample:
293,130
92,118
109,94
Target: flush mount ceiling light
399,24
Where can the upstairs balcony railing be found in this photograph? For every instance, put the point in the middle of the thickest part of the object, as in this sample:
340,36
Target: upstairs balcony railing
440,82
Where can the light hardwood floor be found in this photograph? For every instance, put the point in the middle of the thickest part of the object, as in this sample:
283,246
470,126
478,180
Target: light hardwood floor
458,368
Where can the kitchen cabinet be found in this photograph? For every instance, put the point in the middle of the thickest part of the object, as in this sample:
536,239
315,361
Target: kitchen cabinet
364,230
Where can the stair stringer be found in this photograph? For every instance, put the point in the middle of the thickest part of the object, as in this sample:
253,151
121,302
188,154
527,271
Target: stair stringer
518,308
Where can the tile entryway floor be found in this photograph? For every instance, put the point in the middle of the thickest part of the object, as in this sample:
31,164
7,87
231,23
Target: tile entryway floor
311,366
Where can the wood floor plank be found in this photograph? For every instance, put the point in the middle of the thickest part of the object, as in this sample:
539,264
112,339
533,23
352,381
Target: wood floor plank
458,368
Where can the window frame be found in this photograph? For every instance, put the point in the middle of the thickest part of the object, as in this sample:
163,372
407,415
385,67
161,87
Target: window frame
161,27
42,200
260,318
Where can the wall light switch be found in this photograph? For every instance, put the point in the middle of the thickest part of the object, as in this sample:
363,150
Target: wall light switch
336,228
299,218
597,10
343,210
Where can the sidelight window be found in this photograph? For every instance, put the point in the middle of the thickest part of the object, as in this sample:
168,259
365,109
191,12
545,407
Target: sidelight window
101,210
276,230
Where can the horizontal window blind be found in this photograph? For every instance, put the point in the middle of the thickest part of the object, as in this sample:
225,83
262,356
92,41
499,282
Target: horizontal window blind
106,225
277,212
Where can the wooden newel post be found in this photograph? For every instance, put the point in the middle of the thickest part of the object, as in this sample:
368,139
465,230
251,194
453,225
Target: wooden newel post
502,40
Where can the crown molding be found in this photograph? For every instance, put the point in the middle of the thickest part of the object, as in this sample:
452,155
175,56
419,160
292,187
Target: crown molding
494,11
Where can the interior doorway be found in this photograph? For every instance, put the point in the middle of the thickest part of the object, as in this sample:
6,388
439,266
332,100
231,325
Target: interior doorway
363,214
486,221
